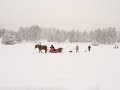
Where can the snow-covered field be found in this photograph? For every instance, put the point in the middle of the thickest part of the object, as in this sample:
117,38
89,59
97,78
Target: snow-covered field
23,68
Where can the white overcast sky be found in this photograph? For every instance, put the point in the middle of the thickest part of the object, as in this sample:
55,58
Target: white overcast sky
61,14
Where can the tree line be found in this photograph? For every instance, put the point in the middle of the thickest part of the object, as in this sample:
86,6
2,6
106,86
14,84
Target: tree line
35,33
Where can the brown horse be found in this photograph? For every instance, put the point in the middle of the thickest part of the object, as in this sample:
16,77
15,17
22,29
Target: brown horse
41,47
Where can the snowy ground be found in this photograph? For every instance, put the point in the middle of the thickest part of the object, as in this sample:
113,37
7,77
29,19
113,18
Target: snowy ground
23,68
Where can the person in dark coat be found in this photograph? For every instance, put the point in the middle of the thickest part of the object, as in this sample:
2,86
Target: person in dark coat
52,47
117,47
89,48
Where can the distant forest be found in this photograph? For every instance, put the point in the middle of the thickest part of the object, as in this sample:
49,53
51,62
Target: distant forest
35,33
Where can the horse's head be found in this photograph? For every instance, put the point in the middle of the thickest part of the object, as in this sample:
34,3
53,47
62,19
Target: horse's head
36,46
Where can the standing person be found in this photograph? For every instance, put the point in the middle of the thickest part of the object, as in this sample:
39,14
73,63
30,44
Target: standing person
117,47
77,48
89,48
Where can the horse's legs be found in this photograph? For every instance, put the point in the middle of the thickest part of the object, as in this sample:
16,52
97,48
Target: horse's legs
40,51
45,51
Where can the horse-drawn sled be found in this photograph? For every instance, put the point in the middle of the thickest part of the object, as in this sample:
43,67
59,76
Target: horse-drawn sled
52,49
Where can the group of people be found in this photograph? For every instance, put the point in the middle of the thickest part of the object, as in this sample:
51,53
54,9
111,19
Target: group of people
116,47
77,48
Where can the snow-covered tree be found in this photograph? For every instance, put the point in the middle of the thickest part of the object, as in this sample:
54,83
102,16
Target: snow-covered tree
9,39
72,36
2,32
23,33
104,36
34,33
